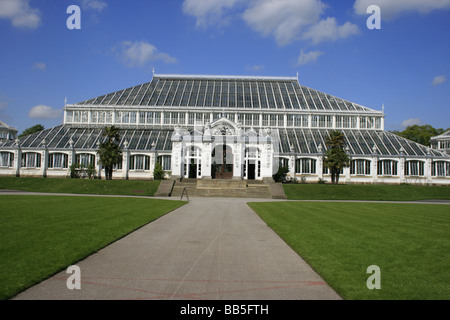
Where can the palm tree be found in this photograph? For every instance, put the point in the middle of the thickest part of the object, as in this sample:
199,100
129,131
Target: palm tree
110,153
335,158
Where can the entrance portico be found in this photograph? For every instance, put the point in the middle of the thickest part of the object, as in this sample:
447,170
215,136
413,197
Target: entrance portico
222,150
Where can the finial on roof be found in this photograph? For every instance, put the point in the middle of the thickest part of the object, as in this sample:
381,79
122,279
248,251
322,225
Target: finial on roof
153,71
297,75
382,108
65,101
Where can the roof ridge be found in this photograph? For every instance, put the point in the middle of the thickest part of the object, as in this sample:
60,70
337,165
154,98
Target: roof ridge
227,77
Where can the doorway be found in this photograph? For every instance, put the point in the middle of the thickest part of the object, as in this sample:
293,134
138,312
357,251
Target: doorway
222,167
252,164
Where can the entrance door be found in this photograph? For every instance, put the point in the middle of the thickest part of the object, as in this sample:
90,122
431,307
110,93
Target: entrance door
193,169
222,168
252,167
251,171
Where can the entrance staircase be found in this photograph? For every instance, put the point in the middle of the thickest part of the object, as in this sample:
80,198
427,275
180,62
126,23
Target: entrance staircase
221,189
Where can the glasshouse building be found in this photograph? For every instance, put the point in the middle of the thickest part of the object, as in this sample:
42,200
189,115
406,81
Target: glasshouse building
225,127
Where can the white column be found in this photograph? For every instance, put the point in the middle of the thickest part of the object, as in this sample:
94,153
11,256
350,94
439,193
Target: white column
292,165
320,166
374,168
125,163
17,159
44,162
153,157
401,169
428,164
206,160
176,159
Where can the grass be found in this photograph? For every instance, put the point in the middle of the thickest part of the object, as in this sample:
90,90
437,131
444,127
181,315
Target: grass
365,192
42,235
81,186
409,242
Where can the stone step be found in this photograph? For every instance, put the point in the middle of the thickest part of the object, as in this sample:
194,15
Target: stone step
221,184
227,189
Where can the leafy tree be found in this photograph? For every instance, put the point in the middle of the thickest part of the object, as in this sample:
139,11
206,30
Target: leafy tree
335,158
110,153
420,134
33,129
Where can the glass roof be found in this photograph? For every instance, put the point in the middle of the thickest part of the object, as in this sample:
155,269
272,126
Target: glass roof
359,142
87,138
303,141
225,92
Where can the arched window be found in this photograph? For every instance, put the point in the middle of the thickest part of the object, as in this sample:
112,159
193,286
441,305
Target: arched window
31,160
6,159
414,168
140,162
58,161
85,159
165,162
440,169
387,168
305,166
360,167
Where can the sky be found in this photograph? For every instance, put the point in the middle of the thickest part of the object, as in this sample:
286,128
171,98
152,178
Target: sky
404,65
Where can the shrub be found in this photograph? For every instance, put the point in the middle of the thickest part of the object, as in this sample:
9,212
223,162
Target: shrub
90,171
280,176
75,171
158,173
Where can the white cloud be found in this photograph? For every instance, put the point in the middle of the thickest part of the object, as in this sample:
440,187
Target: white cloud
97,5
438,80
39,66
139,53
412,122
255,68
44,112
328,30
20,13
308,57
209,12
283,19
390,8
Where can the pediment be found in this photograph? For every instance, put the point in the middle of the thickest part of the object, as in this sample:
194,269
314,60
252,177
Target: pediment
222,127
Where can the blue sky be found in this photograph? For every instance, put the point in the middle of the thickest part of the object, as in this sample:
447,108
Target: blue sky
405,65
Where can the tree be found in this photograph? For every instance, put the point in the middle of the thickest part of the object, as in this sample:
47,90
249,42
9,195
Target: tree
110,153
33,129
335,158
420,134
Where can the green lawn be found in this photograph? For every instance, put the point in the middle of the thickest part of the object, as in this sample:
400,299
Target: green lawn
81,186
41,235
409,242
365,192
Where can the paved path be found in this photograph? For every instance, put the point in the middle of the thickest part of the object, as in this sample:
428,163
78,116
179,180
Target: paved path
208,249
